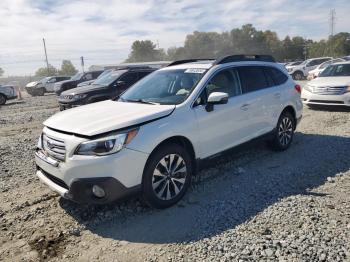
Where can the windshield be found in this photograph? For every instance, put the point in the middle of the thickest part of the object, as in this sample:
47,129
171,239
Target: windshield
44,80
106,72
77,76
336,70
166,87
108,79
295,63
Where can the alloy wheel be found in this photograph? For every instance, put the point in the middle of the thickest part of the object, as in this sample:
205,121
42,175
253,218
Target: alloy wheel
169,177
285,131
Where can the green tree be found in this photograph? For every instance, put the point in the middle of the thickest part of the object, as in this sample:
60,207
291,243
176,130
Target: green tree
44,72
67,68
1,71
145,51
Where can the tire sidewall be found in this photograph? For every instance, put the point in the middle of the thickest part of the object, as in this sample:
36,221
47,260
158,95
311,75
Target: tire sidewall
147,189
277,141
2,100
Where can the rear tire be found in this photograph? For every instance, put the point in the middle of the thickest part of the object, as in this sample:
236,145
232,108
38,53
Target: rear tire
3,100
167,176
284,132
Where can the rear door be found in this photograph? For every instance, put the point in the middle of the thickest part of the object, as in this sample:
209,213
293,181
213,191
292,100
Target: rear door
258,93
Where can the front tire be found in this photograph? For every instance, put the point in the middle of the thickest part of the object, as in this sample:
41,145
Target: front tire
284,132
2,100
167,176
298,76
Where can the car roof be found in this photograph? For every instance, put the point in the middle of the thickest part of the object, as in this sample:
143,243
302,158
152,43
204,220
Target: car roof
341,63
207,64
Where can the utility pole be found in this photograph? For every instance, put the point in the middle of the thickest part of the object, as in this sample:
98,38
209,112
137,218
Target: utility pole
47,62
331,30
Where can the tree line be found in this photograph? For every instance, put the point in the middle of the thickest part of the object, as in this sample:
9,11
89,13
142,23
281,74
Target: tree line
244,40
67,69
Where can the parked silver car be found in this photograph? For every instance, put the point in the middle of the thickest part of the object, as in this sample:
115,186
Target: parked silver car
6,93
45,85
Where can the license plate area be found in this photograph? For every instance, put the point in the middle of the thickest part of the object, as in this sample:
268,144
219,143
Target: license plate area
40,154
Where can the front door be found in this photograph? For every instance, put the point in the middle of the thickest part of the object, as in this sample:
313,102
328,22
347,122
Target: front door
220,128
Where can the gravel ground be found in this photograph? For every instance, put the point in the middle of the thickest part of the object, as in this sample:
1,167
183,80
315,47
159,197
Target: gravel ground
252,205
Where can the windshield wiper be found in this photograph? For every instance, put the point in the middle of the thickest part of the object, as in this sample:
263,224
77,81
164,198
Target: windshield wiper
142,101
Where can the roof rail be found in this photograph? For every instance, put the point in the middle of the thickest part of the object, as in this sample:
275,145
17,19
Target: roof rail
132,67
237,58
179,62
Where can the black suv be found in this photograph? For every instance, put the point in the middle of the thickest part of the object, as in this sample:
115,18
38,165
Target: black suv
107,87
75,80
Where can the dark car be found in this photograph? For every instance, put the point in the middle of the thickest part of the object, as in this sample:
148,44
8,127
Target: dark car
75,80
107,87
6,93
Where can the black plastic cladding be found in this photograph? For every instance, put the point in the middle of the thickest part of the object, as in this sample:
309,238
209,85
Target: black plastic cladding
229,59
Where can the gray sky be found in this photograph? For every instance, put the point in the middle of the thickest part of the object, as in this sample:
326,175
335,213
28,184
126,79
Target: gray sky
103,31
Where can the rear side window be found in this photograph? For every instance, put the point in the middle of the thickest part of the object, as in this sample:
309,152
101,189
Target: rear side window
277,76
252,78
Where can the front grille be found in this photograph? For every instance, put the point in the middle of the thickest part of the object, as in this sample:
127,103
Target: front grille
327,101
54,179
67,96
328,90
54,148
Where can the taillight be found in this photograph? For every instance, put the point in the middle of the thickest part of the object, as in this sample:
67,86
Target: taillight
298,88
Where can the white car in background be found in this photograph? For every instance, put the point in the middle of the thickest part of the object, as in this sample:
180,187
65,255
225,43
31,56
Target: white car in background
332,87
315,73
301,71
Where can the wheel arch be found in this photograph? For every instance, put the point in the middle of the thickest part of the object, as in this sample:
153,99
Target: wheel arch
181,141
291,110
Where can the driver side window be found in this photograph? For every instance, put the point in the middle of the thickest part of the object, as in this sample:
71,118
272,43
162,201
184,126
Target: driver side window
226,81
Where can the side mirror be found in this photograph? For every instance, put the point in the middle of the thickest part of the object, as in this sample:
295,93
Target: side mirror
119,83
216,98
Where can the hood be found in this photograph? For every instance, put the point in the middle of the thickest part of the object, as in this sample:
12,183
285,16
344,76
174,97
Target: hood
106,116
31,84
85,83
331,81
83,89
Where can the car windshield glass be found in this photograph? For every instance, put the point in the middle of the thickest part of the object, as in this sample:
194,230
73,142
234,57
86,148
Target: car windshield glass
109,78
336,70
44,80
106,72
166,87
77,76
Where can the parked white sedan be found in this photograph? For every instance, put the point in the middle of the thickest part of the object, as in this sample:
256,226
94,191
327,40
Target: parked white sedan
332,87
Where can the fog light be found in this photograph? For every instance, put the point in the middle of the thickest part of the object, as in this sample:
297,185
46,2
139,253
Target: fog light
98,191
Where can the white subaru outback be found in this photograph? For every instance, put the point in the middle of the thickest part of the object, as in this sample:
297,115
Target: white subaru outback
154,138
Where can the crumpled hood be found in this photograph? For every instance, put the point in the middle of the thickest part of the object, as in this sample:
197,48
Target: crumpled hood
331,81
31,84
83,89
105,116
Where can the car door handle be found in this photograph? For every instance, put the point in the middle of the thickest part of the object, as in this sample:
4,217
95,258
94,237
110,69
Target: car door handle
277,95
245,107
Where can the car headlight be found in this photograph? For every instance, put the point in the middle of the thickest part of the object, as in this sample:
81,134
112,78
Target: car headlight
79,96
308,88
107,145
